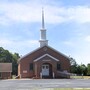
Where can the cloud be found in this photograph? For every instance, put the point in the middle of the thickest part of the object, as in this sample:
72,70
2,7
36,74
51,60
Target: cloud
80,14
18,46
87,39
78,48
31,12
27,13
69,43
81,57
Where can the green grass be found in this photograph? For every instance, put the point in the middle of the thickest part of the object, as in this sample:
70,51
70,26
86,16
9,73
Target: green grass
80,77
63,89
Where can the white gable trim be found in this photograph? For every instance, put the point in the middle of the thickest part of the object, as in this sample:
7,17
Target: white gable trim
44,56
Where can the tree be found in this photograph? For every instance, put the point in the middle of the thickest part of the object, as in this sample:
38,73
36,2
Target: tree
73,67
8,57
14,63
78,69
5,55
81,69
84,69
88,69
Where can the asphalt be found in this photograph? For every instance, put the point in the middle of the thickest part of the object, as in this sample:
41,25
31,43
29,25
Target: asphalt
39,84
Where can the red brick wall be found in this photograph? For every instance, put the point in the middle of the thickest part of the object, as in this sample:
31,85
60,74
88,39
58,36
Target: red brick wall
5,75
25,61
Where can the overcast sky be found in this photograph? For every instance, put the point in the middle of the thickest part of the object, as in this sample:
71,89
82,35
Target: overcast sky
67,23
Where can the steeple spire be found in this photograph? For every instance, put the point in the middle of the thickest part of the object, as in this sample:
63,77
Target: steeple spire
43,40
43,19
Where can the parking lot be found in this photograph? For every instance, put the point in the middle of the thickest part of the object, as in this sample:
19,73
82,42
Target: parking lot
29,84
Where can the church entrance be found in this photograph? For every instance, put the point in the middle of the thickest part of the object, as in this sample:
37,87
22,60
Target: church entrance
46,70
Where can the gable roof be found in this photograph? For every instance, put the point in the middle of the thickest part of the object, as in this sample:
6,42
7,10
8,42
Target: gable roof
44,56
42,47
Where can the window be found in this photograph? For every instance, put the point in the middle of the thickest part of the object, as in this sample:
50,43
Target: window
0,75
46,67
43,67
58,66
31,66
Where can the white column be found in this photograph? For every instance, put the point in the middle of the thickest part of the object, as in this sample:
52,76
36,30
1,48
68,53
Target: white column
41,75
53,75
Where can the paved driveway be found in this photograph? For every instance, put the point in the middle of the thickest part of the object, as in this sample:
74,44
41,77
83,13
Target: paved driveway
29,84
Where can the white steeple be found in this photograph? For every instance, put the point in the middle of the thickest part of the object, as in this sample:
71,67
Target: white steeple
43,40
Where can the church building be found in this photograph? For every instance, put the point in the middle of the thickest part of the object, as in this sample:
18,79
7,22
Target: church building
45,61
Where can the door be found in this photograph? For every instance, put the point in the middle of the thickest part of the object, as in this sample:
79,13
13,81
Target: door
45,70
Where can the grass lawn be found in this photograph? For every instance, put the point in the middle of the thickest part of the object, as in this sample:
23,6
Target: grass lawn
64,89
80,77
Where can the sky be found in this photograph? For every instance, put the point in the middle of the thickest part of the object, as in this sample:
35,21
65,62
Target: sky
67,23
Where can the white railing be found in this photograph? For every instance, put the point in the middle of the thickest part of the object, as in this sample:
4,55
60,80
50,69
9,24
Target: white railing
63,73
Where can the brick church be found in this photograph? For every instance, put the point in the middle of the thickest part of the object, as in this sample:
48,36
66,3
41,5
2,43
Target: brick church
45,61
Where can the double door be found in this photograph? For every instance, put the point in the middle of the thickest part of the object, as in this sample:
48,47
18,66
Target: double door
45,70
